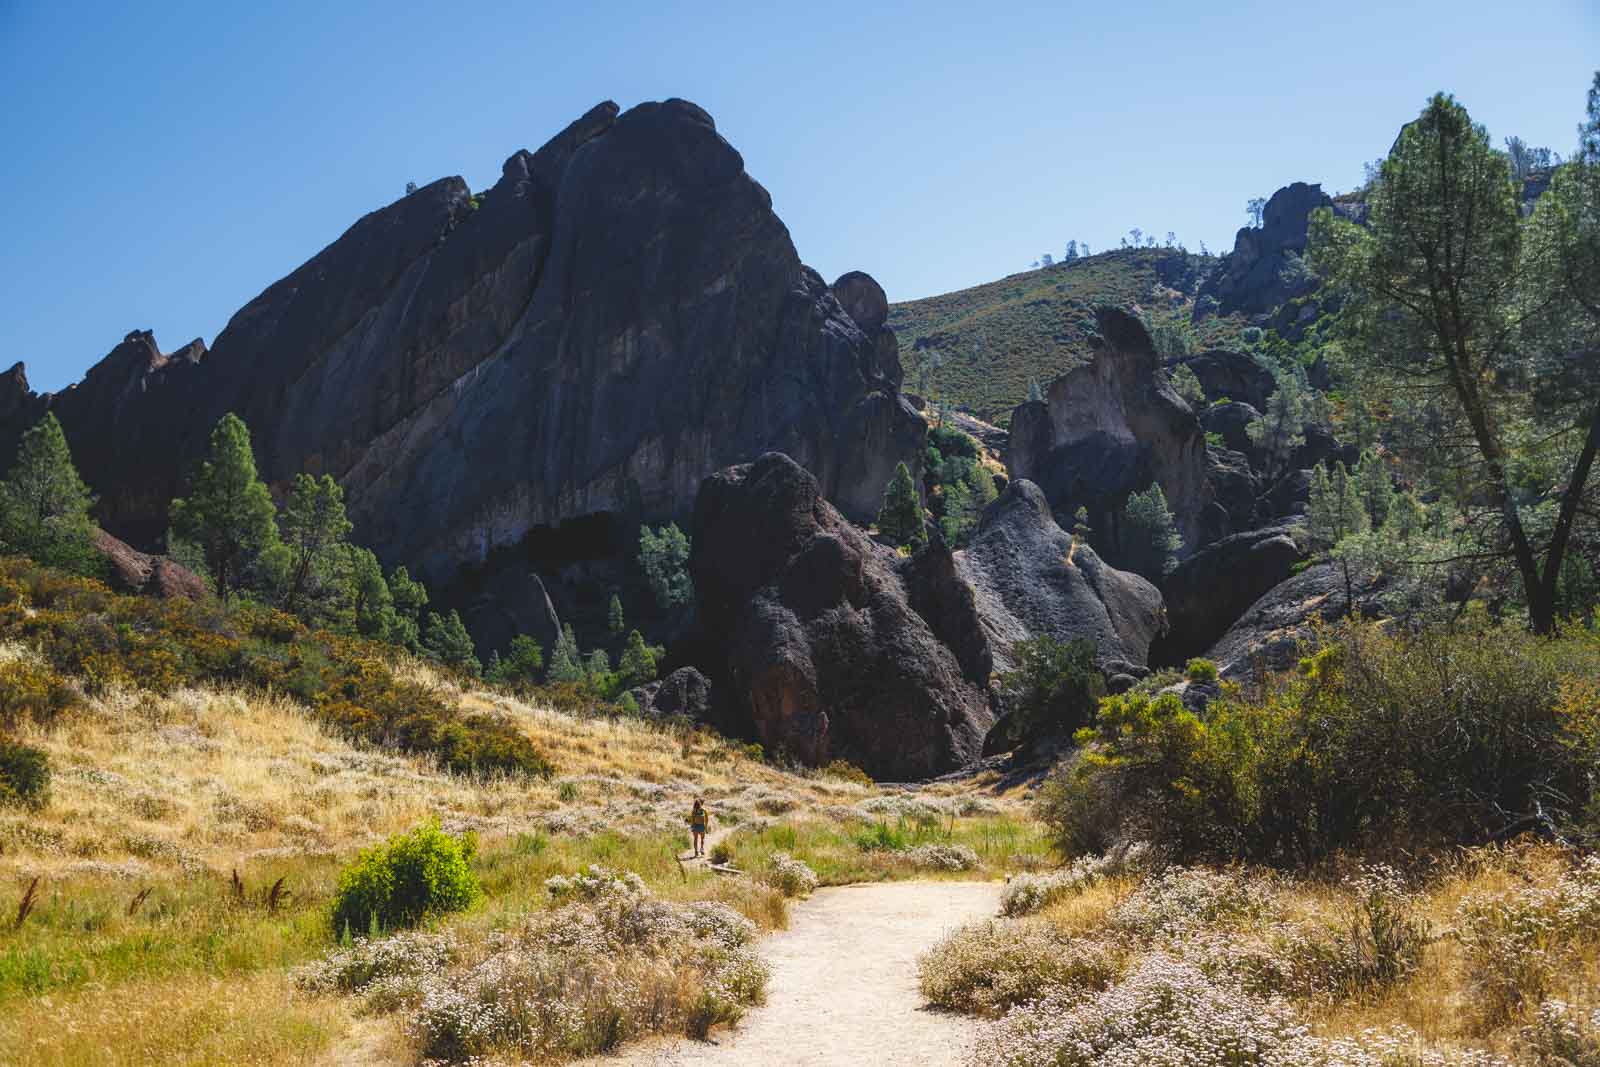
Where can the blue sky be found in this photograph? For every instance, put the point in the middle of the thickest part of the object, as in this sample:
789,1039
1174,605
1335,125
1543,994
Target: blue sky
162,166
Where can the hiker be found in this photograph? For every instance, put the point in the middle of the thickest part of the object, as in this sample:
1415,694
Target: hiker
699,818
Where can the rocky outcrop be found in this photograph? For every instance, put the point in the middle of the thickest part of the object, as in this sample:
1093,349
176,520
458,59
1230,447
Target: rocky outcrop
621,314
1231,421
820,650
138,572
685,692
1259,275
1232,376
1110,427
1029,580
515,602
1211,589
1269,634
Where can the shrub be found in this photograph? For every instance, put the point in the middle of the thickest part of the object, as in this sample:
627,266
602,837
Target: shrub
1201,671
1028,893
722,853
880,836
845,771
940,857
30,690
1433,737
1053,688
1562,1037
791,877
24,775
988,967
1382,939
412,875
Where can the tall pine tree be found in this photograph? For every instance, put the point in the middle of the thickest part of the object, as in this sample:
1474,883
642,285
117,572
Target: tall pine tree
900,517
44,505
228,512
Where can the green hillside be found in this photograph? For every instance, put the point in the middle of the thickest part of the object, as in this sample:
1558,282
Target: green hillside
993,338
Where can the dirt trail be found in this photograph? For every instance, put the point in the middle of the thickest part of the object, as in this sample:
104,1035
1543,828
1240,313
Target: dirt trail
844,985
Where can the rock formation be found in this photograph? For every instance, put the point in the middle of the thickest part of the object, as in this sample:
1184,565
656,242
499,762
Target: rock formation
619,316
820,651
139,572
1029,580
1254,278
1211,589
1110,427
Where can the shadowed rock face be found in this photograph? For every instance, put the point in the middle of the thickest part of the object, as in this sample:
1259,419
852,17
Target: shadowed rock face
1025,584
619,316
1209,591
1110,427
1252,278
820,648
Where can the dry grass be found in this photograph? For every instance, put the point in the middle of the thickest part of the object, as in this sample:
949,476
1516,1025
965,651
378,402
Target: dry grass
139,948
1254,936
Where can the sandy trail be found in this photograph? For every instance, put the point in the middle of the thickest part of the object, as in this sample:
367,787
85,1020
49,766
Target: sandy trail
844,985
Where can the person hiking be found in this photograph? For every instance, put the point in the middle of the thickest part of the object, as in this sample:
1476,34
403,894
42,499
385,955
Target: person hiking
699,819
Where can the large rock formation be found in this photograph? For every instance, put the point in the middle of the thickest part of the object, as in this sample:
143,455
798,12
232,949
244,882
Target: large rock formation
1029,580
1211,589
1259,276
619,316
1268,636
815,639
1110,427
139,572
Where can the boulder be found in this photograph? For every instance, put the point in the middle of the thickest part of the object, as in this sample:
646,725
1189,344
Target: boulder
1109,427
819,649
863,299
1232,375
618,316
133,571
1230,420
1268,636
1208,592
685,692
1029,580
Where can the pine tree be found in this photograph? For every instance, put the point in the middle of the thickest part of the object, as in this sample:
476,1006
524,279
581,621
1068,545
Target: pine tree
638,663
44,505
520,665
1335,512
410,597
664,557
1149,539
900,518
1080,526
614,620
314,528
228,513
1035,394
565,664
371,602
1281,428
1375,487
448,641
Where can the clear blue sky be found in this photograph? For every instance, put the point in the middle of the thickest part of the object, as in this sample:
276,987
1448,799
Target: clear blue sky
163,164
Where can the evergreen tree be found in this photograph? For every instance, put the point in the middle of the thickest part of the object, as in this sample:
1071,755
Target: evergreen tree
1149,536
984,491
1360,425
371,602
447,641
1375,487
409,597
565,663
638,663
313,527
520,665
1035,394
1080,526
614,620
1335,511
957,519
228,513
597,671
1281,428
900,518
44,505
664,557
1477,313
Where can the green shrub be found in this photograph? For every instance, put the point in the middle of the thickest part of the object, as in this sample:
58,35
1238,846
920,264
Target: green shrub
1201,671
1434,738
880,836
31,691
1053,688
24,775
846,771
410,876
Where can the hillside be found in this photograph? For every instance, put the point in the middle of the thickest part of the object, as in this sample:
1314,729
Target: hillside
996,337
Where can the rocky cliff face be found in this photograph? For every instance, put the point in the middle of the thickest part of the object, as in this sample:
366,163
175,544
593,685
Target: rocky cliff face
826,645
1110,427
619,316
